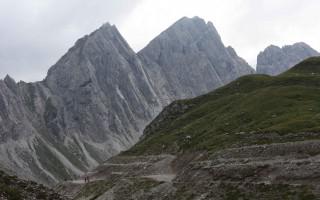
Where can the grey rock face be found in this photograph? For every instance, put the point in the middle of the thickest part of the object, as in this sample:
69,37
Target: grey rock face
97,99
275,60
189,59
93,104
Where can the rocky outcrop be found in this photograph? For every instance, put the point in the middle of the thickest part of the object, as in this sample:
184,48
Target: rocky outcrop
275,60
96,100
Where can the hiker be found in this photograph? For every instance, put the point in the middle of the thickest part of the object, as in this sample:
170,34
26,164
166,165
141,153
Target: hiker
86,178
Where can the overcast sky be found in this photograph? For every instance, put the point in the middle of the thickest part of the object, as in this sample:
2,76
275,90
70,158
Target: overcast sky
34,34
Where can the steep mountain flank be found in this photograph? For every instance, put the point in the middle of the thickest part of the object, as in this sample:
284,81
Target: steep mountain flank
97,99
275,60
93,103
255,138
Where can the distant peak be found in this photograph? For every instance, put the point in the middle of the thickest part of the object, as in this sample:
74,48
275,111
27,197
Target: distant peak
195,18
187,21
10,82
272,46
9,79
302,45
271,49
106,30
275,60
186,31
107,25
232,51
297,44
195,25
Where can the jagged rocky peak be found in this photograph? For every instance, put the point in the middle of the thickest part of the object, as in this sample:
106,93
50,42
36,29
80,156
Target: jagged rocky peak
275,60
187,30
10,82
232,51
189,59
89,55
8,79
180,35
103,89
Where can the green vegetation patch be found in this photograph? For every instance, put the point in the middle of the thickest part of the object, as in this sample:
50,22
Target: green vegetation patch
94,189
245,191
13,188
135,186
263,191
233,114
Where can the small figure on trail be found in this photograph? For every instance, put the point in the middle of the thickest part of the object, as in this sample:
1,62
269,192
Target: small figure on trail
86,178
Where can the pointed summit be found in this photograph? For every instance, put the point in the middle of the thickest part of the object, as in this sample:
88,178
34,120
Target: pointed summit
189,22
102,50
108,32
195,25
8,78
10,82
106,25
186,31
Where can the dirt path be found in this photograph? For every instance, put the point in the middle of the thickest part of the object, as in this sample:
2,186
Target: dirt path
161,177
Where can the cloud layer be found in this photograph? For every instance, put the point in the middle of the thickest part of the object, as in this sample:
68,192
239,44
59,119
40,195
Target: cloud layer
35,33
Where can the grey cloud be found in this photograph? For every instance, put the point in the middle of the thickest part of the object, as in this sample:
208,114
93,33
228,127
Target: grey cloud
35,33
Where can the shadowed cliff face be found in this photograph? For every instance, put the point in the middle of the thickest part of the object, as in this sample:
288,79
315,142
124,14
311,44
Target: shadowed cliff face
275,60
97,99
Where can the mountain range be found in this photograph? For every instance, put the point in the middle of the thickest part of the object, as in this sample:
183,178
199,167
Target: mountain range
97,99
275,60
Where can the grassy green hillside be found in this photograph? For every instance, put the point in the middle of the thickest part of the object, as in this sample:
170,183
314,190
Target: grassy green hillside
255,109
